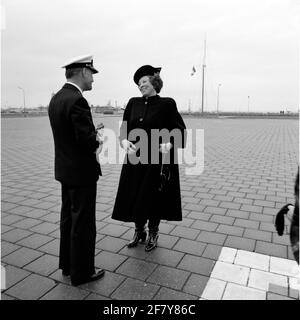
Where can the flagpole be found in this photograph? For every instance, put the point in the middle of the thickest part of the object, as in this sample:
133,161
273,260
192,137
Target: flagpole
203,68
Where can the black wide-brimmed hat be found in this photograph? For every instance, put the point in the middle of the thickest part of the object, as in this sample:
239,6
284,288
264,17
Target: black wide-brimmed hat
146,70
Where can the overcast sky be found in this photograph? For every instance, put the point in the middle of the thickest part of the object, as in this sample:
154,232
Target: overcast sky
252,50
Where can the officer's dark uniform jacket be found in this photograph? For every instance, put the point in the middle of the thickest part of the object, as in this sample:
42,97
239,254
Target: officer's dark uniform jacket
74,138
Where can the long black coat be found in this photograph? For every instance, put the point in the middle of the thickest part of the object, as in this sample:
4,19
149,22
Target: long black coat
74,138
138,196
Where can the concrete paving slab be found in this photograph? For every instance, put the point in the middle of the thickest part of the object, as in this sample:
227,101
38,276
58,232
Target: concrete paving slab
21,257
7,248
114,230
189,246
94,296
228,255
252,260
261,280
14,275
45,265
51,247
45,228
108,260
14,235
212,251
230,273
106,285
112,244
169,294
169,277
167,241
5,229
165,257
135,268
133,289
214,289
65,292
233,204
195,264
212,237
274,296
184,232
195,284
283,266
275,288
294,287
236,292
32,287
240,243
11,219
34,241
272,249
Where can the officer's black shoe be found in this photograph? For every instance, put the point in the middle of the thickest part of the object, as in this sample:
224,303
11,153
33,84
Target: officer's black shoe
138,235
65,273
151,241
93,277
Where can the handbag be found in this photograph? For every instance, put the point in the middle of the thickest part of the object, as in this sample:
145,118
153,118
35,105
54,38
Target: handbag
99,133
164,176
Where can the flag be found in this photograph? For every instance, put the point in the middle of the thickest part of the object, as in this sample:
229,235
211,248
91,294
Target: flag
193,71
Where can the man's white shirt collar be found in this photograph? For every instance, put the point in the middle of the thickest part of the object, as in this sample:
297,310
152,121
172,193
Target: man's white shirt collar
75,85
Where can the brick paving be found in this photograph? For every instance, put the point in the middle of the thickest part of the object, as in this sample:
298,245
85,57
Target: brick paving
226,247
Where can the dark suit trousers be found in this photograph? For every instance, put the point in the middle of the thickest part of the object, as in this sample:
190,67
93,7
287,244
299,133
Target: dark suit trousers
78,231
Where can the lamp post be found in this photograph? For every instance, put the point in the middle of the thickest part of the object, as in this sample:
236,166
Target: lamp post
218,97
248,103
23,98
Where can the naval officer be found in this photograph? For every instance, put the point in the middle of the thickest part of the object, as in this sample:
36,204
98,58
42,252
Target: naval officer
76,168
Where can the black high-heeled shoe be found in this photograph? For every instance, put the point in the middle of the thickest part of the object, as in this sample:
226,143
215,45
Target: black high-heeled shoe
138,235
151,241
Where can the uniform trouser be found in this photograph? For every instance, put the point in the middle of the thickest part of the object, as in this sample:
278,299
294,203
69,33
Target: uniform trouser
78,230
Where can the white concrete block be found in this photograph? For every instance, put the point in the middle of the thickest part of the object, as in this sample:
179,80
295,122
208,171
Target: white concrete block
230,272
294,283
252,260
260,280
294,287
214,290
237,292
227,254
284,266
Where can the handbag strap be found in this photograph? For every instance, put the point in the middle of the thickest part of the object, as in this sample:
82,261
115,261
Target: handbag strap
162,163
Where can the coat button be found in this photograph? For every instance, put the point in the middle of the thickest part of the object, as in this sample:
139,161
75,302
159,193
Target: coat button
141,119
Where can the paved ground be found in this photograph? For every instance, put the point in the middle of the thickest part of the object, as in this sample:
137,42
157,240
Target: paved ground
226,247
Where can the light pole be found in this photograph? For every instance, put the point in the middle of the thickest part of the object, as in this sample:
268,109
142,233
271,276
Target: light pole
23,98
218,97
248,103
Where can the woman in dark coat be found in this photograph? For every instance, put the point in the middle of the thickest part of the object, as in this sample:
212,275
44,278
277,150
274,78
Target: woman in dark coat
139,197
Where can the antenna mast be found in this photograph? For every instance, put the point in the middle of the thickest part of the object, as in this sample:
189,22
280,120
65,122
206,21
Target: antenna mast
203,68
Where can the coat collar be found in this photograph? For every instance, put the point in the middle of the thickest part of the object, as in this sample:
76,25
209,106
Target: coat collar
72,86
152,98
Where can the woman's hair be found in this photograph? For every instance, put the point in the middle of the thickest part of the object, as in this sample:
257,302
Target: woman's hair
156,82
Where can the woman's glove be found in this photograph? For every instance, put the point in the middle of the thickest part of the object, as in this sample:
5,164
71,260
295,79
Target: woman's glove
165,147
128,146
